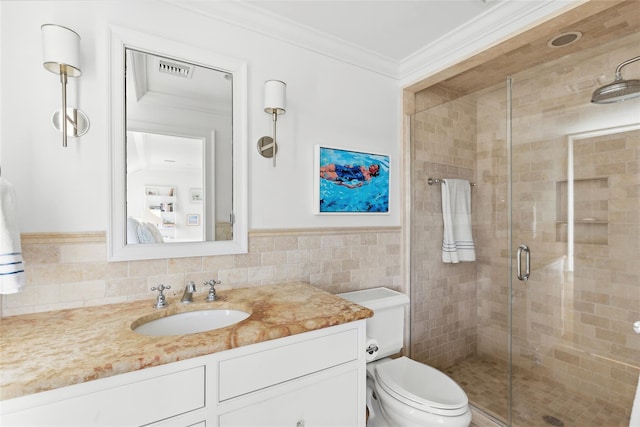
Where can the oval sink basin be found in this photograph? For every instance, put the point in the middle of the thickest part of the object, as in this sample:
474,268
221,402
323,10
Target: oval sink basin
191,322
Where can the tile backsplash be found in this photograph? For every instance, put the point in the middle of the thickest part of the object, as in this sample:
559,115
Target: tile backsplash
68,270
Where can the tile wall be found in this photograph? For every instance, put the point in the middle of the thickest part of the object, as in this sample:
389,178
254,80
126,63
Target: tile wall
444,296
67,271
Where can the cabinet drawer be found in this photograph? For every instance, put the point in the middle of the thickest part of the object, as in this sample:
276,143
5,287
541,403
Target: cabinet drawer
137,403
245,374
329,402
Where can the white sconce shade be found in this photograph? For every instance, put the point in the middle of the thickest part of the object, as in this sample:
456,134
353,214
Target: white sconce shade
274,104
274,96
61,56
61,50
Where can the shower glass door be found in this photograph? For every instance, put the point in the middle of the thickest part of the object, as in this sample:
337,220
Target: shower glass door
460,312
560,176
575,189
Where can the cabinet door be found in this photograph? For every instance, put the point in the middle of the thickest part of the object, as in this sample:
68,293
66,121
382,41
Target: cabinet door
329,402
241,375
138,403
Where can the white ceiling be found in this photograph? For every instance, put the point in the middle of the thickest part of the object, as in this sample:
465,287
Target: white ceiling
200,89
394,29
402,39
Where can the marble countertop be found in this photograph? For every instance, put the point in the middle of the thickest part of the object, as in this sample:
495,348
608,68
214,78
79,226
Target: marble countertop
44,351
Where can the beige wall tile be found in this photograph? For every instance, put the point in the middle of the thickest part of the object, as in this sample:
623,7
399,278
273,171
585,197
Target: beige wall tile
175,265
41,253
247,260
92,290
148,267
126,287
83,253
38,274
311,242
274,258
104,270
214,263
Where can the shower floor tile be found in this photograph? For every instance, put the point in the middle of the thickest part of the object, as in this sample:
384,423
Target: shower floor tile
537,403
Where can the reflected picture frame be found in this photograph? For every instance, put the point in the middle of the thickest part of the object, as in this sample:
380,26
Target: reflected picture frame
196,195
193,220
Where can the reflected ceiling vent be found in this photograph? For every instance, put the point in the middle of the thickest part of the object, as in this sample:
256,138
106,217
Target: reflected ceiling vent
564,39
175,68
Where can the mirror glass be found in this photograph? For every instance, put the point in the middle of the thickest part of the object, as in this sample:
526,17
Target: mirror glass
164,182
178,156
178,150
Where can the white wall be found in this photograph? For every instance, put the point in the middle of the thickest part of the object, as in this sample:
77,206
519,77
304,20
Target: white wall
60,190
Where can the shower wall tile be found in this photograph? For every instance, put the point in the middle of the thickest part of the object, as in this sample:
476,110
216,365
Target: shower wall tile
444,296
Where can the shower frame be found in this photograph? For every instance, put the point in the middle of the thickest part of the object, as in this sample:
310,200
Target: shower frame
419,172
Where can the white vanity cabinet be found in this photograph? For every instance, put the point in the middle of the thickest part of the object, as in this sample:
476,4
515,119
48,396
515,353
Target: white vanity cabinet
326,399
136,398
315,382
311,379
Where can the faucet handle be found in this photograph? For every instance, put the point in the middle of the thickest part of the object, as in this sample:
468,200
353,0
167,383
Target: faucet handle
212,290
161,300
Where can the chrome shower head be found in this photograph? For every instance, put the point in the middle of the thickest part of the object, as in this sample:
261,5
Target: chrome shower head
619,90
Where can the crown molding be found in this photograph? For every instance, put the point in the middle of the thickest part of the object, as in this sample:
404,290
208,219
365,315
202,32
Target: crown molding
504,20
251,18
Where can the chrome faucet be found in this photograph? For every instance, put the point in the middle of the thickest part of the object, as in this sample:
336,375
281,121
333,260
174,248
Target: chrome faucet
212,290
161,300
187,296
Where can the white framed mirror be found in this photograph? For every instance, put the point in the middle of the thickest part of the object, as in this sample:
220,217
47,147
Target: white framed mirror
178,160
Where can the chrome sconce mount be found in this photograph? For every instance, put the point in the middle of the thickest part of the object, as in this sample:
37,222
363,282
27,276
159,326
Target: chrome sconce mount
274,104
61,55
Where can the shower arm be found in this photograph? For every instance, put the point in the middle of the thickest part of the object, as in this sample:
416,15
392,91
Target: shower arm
618,75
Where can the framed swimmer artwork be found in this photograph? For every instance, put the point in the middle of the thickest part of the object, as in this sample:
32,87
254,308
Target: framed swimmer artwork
350,182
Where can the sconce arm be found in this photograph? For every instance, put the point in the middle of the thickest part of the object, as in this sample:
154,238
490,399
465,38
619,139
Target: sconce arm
275,144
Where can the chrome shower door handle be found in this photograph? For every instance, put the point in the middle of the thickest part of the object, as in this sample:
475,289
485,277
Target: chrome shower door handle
523,248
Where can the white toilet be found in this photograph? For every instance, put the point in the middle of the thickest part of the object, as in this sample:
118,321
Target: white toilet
402,392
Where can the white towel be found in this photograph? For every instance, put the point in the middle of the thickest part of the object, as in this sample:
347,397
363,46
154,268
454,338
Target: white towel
12,275
457,240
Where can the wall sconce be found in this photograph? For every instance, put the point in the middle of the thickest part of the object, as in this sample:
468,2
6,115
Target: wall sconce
61,55
274,104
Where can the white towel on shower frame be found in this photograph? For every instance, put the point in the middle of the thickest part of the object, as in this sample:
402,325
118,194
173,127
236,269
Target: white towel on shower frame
12,275
457,240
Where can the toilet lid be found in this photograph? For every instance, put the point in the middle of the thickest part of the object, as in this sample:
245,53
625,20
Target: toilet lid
422,387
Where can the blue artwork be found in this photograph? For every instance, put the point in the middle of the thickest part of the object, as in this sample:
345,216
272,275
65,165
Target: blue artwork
351,181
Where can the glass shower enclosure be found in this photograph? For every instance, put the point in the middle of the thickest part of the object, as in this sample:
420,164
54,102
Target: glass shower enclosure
556,204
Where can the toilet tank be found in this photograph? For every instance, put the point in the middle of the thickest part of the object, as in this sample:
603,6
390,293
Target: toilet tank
386,326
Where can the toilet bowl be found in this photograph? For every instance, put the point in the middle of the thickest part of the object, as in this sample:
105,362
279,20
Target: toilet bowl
402,392
405,393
